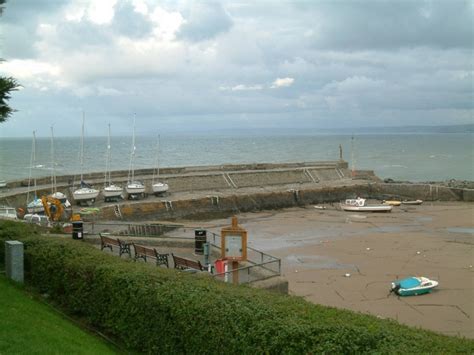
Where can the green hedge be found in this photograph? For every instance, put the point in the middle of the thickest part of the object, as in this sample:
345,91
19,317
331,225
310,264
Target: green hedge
156,310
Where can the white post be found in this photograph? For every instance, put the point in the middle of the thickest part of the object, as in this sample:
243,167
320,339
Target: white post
14,260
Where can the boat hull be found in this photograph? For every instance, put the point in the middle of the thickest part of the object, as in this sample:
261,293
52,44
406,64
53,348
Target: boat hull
35,206
368,208
160,188
415,202
112,191
414,286
85,194
393,203
135,188
61,197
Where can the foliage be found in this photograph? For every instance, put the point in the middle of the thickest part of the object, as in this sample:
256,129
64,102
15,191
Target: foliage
11,230
157,310
7,85
28,327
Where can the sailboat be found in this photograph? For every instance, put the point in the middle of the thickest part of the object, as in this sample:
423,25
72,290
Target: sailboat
158,187
85,193
110,191
36,205
54,192
134,188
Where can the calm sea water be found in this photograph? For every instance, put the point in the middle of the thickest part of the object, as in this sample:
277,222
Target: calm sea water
415,157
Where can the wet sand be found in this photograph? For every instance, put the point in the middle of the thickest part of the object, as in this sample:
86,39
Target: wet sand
319,247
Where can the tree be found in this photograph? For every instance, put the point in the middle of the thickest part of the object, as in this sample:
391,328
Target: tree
7,85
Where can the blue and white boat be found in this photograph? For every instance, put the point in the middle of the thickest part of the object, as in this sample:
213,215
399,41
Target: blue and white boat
413,286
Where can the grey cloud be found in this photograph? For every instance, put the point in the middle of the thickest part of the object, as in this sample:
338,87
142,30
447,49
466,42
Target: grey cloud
129,23
392,24
205,20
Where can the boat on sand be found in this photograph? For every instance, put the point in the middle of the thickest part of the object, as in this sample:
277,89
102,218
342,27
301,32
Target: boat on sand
413,286
359,205
412,202
392,202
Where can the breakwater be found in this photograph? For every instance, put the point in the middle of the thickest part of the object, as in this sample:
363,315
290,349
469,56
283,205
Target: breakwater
211,191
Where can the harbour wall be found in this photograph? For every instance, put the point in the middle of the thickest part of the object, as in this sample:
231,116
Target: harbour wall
213,206
205,192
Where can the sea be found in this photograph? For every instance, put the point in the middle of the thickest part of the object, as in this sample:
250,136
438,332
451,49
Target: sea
401,156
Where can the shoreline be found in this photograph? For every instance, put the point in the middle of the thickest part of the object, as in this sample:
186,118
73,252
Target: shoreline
319,247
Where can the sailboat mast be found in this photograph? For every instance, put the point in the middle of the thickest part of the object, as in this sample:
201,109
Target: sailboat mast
352,156
107,162
34,160
131,173
82,146
53,164
158,159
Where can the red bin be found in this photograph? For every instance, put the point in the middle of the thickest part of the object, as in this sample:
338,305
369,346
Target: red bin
220,266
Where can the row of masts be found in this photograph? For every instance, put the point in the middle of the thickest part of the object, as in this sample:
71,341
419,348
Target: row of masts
86,194
36,205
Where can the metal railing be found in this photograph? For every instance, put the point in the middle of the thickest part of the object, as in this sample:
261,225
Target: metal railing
259,265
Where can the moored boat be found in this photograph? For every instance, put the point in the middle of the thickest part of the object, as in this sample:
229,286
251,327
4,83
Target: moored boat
158,187
413,286
111,191
134,187
84,194
55,194
412,202
392,202
359,205
35,205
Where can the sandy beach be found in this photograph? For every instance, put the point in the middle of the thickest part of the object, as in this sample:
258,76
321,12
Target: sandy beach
319,247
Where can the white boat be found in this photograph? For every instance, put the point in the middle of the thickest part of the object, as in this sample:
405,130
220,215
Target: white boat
110,191
61,197
359,205
3,183
412,202
7,212
158,187
85,193
36,205
134,188
413,286
58,195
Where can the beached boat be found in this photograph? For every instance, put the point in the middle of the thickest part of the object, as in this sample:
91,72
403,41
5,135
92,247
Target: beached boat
134,188
413,286
35,205
55,194
7,212
85,193
359,205
3,184
412,202
157,186
392,202
110,191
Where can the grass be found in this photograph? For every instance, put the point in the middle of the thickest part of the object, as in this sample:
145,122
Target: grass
28,326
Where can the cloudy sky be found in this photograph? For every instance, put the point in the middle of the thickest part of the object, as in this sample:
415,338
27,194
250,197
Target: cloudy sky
205,65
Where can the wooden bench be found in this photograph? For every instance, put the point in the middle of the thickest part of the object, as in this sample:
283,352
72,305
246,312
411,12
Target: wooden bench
186,264
142,252
107,242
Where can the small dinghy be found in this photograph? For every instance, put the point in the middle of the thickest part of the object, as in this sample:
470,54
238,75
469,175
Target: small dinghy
413,202
359,205
392,202
413,286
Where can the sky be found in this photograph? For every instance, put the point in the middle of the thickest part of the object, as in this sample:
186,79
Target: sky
199,66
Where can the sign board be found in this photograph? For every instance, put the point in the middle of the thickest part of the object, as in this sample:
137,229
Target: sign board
234,242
